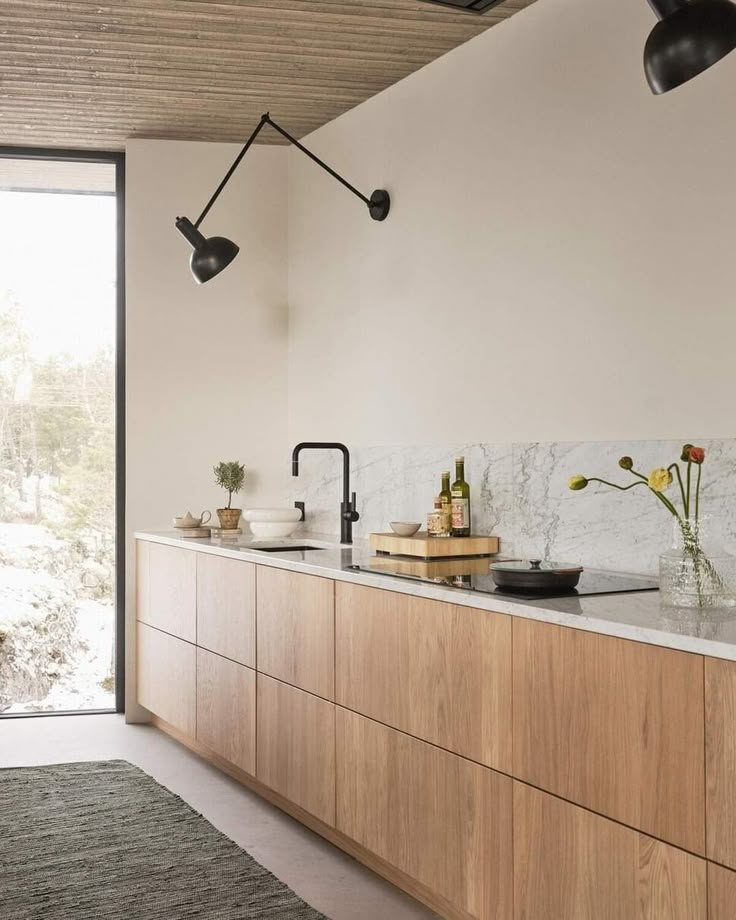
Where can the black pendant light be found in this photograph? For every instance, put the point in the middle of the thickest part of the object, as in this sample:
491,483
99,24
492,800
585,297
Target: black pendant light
212,254
690,37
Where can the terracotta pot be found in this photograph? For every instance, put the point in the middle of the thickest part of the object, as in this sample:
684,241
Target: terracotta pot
229,517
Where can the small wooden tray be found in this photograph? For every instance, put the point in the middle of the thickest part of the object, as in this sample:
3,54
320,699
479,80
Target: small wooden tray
426,547
193,532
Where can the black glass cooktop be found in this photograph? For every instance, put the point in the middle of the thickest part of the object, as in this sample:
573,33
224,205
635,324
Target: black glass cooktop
479,578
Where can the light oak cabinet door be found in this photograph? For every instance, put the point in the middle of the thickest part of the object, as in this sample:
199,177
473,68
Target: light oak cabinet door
613,725
720,760
441,819
570,864
226,709
296,746
167,670
296,629
166,589
434,670
226,607
721,893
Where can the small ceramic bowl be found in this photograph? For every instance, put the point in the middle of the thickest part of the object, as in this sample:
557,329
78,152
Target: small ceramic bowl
404,528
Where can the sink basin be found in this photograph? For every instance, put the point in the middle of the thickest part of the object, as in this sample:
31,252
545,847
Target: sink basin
283,549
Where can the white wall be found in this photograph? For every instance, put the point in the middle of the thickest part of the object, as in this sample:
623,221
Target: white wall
206,365
558,263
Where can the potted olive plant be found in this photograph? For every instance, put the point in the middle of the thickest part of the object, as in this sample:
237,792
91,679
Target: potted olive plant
230,477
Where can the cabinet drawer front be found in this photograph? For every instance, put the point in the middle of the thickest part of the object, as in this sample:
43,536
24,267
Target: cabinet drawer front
720,759
721,893
296,746
570,864
436,671
167,678
226,605
441,819
226,709
296,629
614,725
167,589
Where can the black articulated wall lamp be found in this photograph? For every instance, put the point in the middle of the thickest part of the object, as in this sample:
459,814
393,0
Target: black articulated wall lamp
690,37
212,254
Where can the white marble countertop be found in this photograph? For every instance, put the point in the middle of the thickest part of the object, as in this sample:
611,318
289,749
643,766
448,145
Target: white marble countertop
636,615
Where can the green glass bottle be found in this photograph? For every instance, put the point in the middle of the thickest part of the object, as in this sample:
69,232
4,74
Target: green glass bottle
446,494
460,501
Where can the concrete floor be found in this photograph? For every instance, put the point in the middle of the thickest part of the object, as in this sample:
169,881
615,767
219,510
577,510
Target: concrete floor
321,874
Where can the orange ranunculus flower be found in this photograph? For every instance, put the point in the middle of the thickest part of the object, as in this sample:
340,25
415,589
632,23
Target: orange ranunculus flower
696,454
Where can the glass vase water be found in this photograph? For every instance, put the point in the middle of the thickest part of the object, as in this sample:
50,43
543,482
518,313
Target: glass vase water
697,571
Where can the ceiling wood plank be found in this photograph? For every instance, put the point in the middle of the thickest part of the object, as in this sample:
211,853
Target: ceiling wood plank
78,73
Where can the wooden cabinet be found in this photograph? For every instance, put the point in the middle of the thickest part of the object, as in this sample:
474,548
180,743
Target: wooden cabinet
720,760
613,725
570,864
167,678
296,629
437,671
296,746
226,709
441,819
721,893
167,589
226,607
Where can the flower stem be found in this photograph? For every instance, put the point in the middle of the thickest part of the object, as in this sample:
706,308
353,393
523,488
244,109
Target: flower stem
697,492
687,503
614,486
676,468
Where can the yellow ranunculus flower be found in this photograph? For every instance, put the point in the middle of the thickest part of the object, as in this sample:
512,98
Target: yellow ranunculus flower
576,483
660,479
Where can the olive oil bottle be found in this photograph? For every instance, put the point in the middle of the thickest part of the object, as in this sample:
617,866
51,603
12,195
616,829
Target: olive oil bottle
460,501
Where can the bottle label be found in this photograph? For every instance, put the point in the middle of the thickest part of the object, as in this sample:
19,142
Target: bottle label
460,513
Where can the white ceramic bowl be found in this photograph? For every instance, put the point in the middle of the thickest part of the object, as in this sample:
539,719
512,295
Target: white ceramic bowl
272,515
404,528
271,529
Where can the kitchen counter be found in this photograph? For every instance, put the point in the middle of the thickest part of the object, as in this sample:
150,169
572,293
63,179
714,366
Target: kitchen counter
637,616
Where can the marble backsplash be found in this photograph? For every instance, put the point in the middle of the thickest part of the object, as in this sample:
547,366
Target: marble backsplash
520,494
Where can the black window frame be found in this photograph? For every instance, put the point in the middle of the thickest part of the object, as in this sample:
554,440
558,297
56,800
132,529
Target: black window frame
117,158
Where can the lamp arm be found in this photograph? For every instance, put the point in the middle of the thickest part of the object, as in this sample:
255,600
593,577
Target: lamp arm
378,204
236,163
316,159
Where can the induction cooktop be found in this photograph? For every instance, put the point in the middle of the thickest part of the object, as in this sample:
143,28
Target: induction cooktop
479,578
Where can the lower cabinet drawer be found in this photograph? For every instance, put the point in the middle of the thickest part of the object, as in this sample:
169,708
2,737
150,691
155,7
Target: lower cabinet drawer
296,746
721,893
570,864
167,669
226,709
443,820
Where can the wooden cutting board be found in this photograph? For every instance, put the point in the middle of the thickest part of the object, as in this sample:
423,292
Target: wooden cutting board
431,568
426,547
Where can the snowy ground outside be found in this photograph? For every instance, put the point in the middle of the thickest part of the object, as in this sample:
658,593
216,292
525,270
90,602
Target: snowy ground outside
56,641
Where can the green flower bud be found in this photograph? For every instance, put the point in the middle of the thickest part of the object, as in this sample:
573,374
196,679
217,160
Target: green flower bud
626,463
685,455
577,483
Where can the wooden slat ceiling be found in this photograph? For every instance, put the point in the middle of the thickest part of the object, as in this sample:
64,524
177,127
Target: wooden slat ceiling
83,74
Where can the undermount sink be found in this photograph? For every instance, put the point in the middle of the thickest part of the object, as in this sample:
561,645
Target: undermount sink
283,549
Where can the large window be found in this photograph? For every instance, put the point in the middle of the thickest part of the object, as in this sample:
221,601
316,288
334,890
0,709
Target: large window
60,373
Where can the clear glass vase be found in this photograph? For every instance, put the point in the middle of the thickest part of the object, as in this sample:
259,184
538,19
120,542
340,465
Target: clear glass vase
697,571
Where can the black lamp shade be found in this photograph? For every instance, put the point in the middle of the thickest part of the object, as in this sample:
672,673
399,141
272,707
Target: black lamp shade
211,256
690,38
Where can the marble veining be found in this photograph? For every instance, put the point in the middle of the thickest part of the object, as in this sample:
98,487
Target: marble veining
520,494
637,616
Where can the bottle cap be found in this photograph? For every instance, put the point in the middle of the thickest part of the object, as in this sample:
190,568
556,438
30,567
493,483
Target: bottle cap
459,459
445,472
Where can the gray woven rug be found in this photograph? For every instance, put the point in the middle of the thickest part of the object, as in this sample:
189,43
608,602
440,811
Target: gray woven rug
103,841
